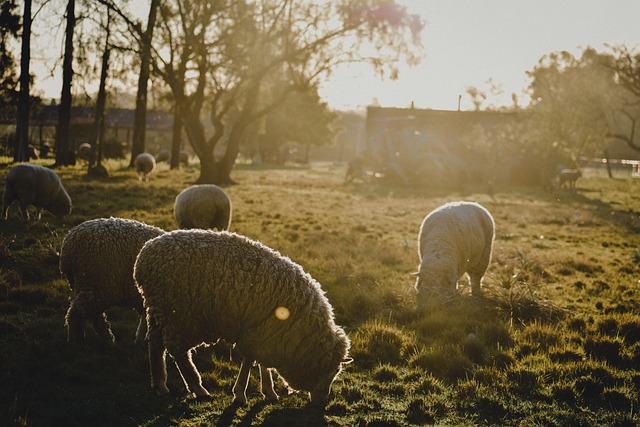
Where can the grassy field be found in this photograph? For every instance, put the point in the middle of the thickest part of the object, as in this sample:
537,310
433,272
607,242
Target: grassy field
554,342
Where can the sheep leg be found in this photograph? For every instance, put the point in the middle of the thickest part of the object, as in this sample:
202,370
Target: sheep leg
24,211
266,384
475,279
102,328
190,374
157,360
141,331
75,324
240,387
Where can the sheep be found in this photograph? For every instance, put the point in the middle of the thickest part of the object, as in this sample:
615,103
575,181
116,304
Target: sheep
38,186
569,177
184,157
163,155
84,151
454,239
97,258
200,286
203,206
145,164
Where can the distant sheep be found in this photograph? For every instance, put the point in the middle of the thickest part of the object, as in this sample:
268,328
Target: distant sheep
568,178
34,185
184,157
145,164
97,257
199,286
163,155
84,151
203,206
454,239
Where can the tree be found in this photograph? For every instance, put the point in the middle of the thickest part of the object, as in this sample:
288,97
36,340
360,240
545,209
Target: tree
64,109
21,150
95,162
140,119
228,52
302,119
9,27
625,64
571,101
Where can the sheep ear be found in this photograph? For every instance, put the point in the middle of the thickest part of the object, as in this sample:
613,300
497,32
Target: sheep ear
347,360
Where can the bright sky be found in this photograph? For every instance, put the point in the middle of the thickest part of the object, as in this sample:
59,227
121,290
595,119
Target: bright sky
468,42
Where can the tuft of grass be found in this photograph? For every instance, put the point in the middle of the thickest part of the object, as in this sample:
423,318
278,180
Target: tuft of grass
380,343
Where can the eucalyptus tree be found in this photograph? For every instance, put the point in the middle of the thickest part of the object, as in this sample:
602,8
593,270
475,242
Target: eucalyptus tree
226,53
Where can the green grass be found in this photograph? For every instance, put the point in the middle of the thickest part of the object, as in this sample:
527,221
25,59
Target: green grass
554,341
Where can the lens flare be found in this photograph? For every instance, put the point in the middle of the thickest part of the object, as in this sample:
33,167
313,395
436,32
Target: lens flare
282,313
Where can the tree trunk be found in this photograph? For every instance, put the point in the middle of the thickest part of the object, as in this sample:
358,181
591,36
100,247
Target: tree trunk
21,152
176,137
63,150
140,119
608,163
97,169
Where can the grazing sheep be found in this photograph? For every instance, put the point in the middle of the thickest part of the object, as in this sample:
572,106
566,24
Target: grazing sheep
97,258
84,151
163,155
33,185
145,164
454,239
184,157
203,206
199,286
569,177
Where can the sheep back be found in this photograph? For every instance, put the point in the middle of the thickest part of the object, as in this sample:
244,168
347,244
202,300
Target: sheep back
37,186
145,164
199,286
97,257
454,239
203,206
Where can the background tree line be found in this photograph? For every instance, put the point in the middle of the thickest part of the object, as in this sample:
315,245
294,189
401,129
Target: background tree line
246,74
224,65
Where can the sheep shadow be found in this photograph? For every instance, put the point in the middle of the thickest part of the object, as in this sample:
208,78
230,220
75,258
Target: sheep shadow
294,417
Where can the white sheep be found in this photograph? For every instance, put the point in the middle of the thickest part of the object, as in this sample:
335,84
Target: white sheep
38,186
97,258
203,206
454,239
199,286
145,164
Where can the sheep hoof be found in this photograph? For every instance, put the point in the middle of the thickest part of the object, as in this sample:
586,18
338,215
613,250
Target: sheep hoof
269,397
240,400
161,390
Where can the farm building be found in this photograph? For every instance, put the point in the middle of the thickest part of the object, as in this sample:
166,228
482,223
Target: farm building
413,144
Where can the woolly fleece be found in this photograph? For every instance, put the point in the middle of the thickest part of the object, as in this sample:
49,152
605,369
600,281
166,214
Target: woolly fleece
97,257
200,286
34,185
145,164
456,238
203,206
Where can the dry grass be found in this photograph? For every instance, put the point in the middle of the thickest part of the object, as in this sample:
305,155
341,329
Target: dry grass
557,329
